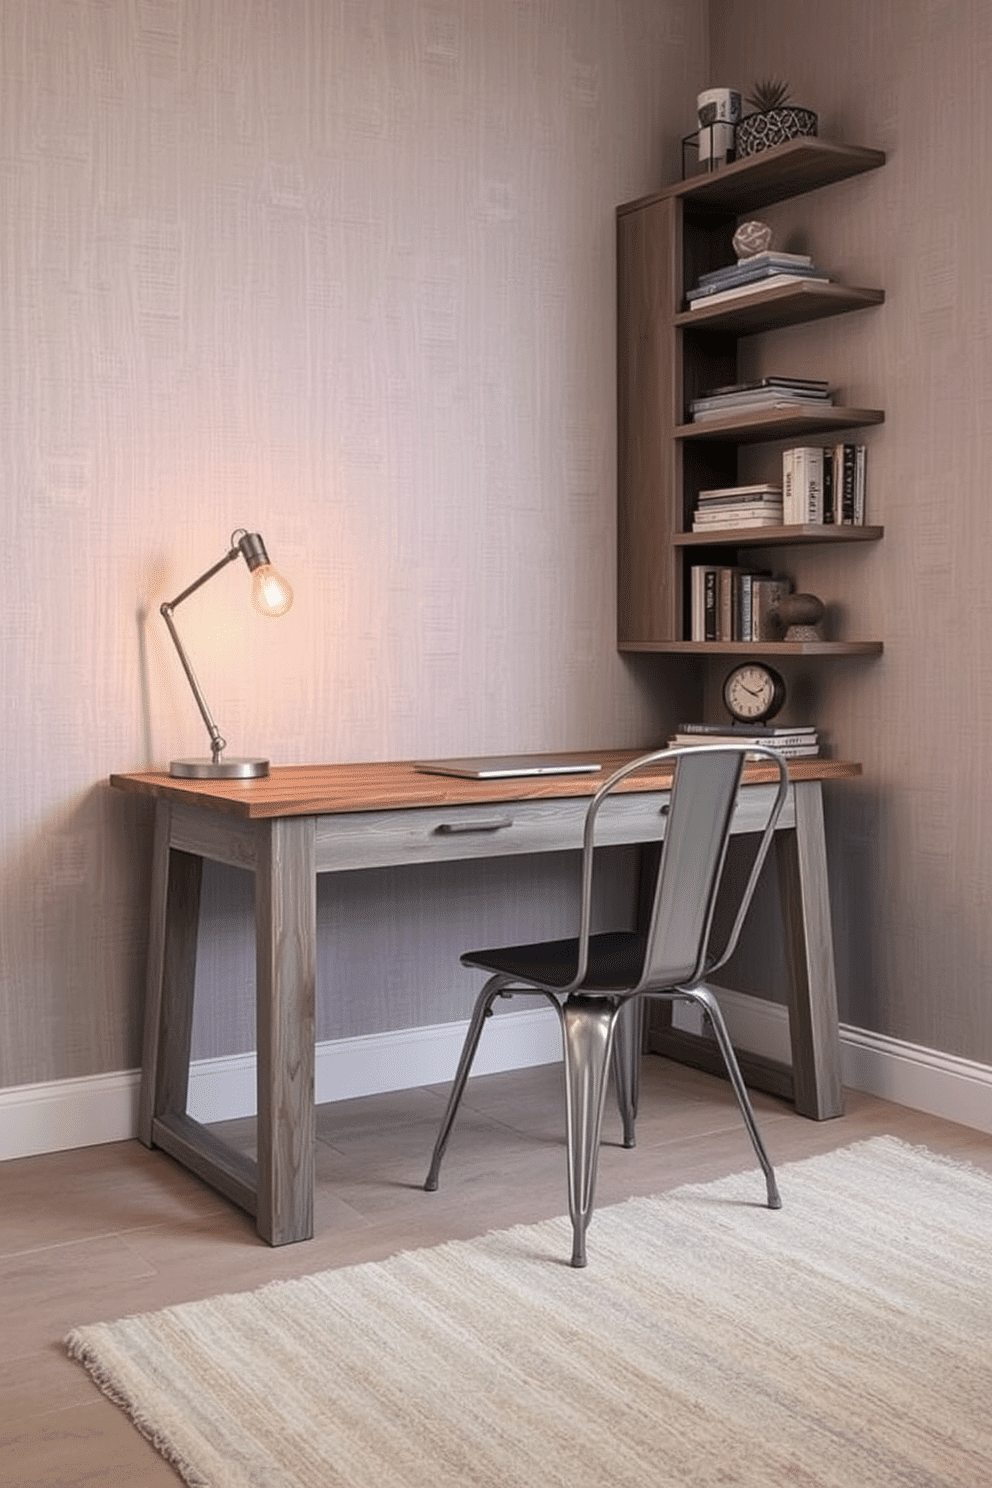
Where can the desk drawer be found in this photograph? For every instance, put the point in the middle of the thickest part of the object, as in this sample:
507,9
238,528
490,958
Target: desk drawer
378,839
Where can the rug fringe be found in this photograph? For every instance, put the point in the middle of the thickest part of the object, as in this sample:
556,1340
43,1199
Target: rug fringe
77,1348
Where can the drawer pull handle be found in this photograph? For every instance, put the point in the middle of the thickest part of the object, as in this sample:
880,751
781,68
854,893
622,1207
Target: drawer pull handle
493,824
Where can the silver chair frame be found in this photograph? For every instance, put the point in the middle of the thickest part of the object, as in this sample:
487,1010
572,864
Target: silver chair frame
602,1027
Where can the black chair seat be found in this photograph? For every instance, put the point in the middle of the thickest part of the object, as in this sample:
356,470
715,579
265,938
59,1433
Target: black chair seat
615,961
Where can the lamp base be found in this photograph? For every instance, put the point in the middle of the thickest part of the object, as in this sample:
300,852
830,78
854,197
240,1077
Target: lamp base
229,769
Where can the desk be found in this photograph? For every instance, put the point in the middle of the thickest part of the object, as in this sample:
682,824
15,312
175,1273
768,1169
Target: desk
305,820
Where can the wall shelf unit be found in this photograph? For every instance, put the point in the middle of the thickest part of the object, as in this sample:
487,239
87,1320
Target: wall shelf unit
668,355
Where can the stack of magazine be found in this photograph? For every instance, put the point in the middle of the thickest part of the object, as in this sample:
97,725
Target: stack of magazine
738,506
748,275
799,742
741,398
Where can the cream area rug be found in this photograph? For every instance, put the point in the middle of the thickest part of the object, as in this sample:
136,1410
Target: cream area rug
844,1341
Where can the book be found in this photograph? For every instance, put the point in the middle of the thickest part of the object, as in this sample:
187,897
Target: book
697,601
828,486
860,462
761,398
741,291
812,384
720,602
720,511
844,482
740,496
731,278
802,747
802,484
751,730
728,520
759,260
710,605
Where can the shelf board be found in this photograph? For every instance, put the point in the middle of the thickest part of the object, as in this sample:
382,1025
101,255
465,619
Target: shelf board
774,175
785,305
779,423
778,537
756,648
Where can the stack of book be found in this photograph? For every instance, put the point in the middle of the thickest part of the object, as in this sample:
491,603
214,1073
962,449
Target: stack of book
731,603
824,485
756,397
738,506
748,275
794,742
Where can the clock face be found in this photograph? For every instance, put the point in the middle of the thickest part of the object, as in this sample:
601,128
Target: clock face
753,692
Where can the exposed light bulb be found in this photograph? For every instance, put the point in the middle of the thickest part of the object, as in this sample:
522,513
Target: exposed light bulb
271,594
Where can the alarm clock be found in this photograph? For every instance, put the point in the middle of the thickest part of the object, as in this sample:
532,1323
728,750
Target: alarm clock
753,692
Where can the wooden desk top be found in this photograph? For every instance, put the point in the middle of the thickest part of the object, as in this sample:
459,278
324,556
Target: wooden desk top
321,790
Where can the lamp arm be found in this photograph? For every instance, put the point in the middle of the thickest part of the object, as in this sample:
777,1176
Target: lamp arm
217,743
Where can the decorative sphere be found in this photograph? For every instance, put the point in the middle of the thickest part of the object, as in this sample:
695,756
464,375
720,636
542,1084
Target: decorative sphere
751,238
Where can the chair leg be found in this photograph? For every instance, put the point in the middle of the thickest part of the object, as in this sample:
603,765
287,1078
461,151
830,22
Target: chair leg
705,998
587,1024
480,1013
627,1064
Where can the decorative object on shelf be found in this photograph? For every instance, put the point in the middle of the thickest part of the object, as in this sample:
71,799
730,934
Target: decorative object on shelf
774,121
751,238
801,615
753,692
271,595
718,111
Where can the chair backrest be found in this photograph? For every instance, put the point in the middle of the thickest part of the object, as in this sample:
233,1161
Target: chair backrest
690,864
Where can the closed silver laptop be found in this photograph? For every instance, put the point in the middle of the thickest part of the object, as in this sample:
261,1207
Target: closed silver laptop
505,766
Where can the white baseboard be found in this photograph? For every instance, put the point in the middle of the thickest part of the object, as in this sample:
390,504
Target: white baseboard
63,1114
940,1084
220,1089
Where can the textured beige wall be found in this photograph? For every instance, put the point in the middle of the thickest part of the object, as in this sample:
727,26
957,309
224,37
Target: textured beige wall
341,270
911,844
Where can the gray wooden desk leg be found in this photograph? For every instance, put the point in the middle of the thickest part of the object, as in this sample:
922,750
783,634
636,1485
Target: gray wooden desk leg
286,934
813,1021
171,975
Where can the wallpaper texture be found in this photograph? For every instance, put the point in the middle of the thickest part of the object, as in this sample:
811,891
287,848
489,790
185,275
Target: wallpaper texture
341,271
912,872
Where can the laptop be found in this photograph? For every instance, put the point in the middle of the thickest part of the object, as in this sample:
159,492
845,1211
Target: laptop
505,766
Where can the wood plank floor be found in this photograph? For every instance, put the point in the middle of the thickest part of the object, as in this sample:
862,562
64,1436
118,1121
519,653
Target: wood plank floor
100,1232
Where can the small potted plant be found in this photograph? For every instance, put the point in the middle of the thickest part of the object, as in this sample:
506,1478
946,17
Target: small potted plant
774,120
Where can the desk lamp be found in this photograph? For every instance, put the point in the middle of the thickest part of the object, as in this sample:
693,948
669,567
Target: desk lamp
271,595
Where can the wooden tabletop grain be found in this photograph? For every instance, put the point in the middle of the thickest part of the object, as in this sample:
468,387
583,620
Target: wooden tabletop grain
321,790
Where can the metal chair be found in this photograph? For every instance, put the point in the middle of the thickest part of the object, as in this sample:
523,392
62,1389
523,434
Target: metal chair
596,982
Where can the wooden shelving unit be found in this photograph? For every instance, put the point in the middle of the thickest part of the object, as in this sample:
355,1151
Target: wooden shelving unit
668,355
